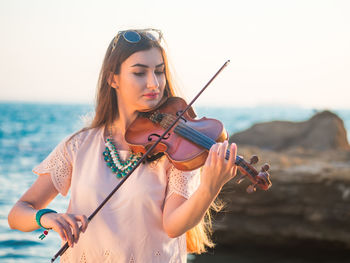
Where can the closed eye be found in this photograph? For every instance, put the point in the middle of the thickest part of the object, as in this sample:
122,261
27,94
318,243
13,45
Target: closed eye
139,73
159,72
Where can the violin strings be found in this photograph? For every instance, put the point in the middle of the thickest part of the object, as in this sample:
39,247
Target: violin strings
196,136
204,141
207,140
188,133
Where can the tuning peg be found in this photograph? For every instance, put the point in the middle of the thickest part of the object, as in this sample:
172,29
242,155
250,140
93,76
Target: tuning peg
240,179
265,167
251,189
254,159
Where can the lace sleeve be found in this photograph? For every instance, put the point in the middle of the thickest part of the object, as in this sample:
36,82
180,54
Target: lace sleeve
59,164
182,183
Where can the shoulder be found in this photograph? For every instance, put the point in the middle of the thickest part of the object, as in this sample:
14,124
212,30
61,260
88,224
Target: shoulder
74,141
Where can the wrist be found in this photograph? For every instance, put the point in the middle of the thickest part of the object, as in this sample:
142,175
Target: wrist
39,215
208,190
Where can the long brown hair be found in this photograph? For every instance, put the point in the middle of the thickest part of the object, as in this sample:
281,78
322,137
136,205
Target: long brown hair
106,111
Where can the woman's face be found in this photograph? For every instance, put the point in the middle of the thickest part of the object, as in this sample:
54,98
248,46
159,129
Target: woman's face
141,81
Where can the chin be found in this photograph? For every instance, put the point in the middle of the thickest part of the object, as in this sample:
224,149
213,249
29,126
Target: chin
148,107
151,103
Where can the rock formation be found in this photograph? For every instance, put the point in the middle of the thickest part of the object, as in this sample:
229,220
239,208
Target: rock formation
309,201
324,131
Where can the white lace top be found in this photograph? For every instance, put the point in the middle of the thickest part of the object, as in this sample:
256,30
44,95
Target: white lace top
129,227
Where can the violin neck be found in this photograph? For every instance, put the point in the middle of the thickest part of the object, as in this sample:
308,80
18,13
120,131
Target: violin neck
242,163
206,142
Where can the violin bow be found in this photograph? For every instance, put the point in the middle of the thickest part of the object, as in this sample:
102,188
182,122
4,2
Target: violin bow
65,246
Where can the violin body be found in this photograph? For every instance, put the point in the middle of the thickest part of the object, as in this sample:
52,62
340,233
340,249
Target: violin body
184,154
187,143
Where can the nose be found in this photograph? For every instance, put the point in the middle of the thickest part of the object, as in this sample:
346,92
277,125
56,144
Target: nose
152,81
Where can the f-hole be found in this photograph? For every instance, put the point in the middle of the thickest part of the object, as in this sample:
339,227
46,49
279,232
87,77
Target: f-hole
157,135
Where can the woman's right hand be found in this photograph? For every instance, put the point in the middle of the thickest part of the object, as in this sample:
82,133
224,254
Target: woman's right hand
66,225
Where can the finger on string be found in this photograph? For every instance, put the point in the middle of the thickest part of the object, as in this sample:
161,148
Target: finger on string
213,153
233,153
232,159
219,149
234,171
214,147
224,151
235,150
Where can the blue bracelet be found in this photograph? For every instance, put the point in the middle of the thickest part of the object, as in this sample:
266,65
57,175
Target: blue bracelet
40,213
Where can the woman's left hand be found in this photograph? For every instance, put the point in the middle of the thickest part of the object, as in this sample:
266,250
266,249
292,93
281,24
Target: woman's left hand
217,171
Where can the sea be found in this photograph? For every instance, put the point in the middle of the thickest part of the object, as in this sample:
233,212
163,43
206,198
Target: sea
30,131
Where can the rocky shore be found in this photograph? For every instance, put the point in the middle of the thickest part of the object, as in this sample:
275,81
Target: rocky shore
308,204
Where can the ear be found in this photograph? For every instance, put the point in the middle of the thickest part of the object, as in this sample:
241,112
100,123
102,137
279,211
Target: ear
113,80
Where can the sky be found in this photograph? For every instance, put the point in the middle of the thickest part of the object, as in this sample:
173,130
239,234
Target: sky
282,53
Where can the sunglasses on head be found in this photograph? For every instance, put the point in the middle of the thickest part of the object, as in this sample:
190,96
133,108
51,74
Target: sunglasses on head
134,36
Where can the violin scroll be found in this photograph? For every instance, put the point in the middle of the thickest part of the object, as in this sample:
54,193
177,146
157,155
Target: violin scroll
261,179
254,159
264,177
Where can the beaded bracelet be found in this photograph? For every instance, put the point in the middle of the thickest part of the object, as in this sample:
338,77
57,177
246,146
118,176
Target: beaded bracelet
38,216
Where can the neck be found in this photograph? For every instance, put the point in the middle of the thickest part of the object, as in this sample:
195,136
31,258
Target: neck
124,119
122,123
126,115
119,127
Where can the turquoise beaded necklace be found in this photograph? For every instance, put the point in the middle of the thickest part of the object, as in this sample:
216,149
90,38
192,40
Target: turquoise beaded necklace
119,167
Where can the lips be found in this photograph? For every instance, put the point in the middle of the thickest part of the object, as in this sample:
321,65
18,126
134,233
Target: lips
151,95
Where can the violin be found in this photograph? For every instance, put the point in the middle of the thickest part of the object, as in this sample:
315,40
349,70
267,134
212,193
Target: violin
187,144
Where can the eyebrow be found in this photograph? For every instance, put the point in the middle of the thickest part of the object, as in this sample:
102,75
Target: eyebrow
145,66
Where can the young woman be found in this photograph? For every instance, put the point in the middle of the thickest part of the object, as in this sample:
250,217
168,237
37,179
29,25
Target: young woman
148,217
